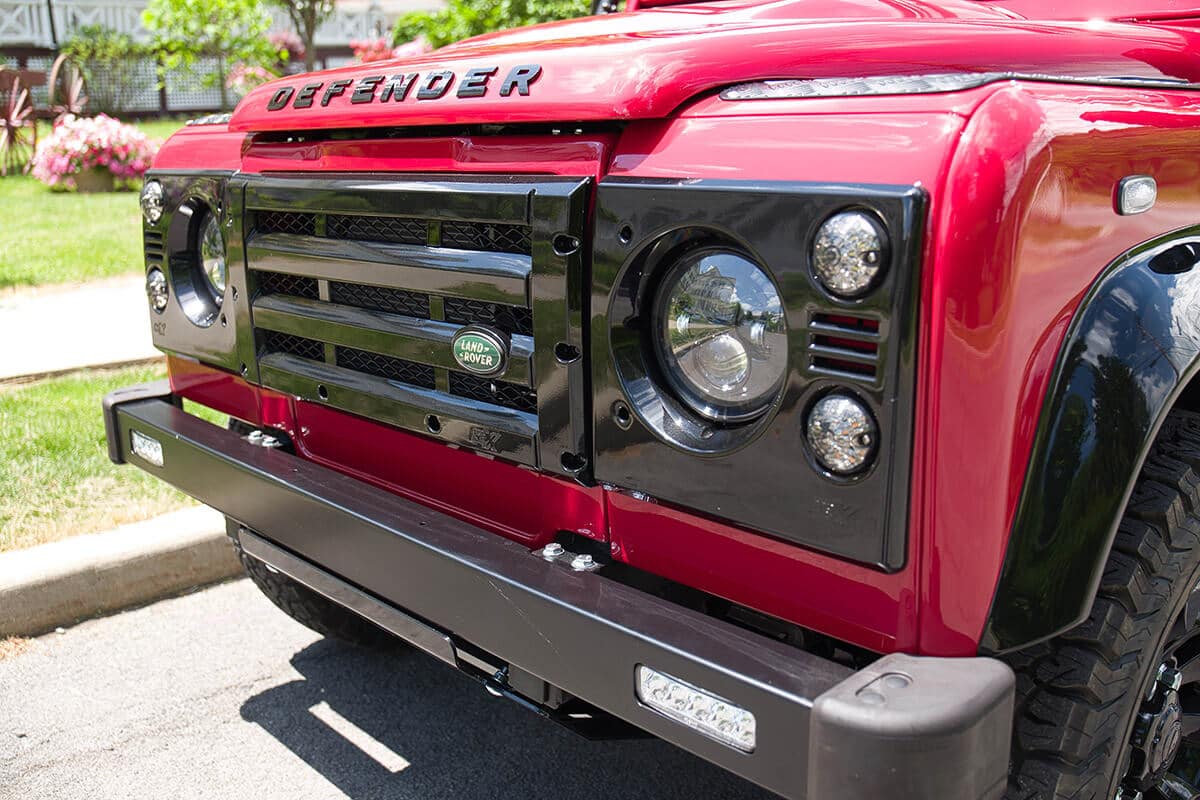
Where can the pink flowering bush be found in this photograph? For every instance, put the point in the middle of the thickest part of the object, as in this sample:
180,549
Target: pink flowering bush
244,77
81,143
381,49
289,42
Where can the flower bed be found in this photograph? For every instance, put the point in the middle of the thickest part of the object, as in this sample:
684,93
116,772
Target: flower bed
93,154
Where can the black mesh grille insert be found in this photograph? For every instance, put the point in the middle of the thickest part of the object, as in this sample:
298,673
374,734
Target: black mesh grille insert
393,369
286,222
402,230
379,298
509,319
500,393
293,285
276,342
487,236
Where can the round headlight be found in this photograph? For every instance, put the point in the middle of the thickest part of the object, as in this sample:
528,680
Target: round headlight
842,434
721,335
156,290
152,200
212,255
849,253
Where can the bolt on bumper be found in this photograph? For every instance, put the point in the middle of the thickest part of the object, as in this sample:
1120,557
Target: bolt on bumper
904,727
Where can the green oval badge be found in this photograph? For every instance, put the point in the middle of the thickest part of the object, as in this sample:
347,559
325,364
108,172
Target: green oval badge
481,352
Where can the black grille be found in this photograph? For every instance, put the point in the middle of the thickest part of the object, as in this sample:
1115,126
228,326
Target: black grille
510,319
286,222
292,285
276,342
501,393
379,298
487,236
393,369
402,230
154,246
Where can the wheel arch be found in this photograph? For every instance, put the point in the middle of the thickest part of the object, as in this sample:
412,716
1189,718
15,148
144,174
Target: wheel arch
1131,354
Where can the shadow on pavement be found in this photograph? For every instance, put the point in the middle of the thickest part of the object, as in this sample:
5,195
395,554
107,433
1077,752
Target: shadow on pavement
438,734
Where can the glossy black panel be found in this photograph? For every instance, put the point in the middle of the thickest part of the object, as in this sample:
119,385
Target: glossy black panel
1131,348
171,245
760,474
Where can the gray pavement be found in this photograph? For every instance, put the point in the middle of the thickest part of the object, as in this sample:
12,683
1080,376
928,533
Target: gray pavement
63,328
219,695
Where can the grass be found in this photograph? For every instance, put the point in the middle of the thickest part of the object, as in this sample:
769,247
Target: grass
55,476
53,237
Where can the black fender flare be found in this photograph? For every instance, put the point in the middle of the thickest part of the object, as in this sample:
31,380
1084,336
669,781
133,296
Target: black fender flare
1131,348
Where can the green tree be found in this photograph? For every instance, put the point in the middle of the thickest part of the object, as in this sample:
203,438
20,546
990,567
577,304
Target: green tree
307,16
230,31
110,62
461,19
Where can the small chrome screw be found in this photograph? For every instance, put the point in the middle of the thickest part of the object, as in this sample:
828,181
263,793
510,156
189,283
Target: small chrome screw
552,551
582,562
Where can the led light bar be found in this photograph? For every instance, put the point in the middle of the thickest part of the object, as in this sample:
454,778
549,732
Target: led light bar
699,710
146,448
852,87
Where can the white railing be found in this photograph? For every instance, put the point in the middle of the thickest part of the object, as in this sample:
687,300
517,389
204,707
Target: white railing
26,23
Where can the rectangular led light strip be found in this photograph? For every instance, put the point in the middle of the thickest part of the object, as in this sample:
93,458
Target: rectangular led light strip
701,711
146,448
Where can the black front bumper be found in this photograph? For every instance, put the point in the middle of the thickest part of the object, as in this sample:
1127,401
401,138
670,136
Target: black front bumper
905,727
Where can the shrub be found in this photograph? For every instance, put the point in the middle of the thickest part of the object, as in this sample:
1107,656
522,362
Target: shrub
244,77
287,43
461,19
380,50
80,143
111,62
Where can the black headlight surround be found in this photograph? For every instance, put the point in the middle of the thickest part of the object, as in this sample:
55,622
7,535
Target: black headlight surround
172,245
758,474
192,289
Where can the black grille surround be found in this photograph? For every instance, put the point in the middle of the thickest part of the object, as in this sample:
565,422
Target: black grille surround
358,287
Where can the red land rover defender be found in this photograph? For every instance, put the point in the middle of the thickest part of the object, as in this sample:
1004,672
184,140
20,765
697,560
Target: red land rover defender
779,378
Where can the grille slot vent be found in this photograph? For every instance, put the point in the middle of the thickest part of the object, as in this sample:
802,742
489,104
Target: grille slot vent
387,367
484,236
510,319
154,247
296,222
298,346
501,393
401,230
380,298
844,346
291,285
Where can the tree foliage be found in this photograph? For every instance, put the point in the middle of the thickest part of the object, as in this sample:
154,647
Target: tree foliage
231,31
461,19
307,16
110,61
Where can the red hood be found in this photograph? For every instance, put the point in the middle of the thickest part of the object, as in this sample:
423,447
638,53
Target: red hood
647,64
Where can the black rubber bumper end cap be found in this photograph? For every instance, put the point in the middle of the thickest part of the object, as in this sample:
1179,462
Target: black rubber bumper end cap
155,390
913,728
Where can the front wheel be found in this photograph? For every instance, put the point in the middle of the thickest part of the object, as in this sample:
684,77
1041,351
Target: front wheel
1111,709
314,610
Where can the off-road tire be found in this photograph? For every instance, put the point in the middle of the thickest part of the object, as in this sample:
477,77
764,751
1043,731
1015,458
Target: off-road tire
1077,695
313,610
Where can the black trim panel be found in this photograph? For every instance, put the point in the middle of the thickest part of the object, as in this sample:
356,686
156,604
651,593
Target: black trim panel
1132,347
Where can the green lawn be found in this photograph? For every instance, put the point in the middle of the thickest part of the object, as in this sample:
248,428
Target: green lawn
53,237
55,476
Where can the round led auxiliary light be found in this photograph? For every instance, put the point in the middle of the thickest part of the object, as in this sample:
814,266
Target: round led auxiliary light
152,200
721,334
842,434
849,253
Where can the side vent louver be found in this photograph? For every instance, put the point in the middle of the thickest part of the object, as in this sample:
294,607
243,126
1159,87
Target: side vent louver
844,346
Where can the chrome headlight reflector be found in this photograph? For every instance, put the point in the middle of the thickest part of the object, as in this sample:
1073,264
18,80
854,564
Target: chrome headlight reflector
212,255
849,253
721,335
152,201
842,434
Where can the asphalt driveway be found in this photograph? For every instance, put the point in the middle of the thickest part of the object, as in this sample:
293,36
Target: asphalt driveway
218,695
